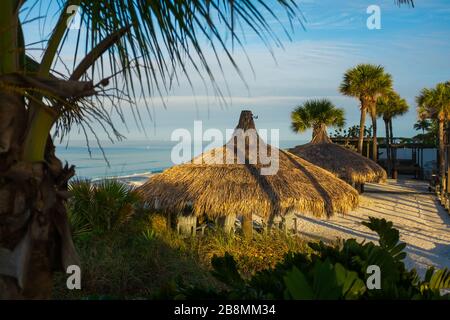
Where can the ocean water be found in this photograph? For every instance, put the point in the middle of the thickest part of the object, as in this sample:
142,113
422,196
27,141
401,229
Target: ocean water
429,155
136,159
124,159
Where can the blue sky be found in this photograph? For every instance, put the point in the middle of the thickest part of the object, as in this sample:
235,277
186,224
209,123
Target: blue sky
413,45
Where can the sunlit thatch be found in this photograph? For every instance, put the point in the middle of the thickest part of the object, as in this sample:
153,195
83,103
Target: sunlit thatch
203,187
343,162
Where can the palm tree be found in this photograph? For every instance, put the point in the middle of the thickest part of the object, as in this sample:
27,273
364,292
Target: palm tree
435,104
140,47
367,82
389,107
318,115
422,124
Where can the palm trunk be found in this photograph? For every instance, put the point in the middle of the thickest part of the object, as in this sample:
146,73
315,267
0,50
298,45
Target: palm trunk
374,138
33,182
388,149
393,150
35,238
9,36
441,148
320,134
34,224
391,132
362,124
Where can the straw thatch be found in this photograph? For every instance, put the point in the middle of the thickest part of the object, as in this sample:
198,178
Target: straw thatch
203,187
343,162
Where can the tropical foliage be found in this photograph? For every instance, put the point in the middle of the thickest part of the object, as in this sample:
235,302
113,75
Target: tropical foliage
145,258
389,107
331,272
367,83
100,207
422,125
123,51
429,133
351,132
317,114
435,104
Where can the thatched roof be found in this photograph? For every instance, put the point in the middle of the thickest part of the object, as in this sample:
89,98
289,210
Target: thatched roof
343,162
208,188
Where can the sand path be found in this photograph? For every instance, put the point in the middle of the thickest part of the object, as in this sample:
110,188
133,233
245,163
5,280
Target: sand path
423,224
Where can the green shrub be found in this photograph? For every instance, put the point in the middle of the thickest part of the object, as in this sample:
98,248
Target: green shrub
100,207
129,265
330,272
145,259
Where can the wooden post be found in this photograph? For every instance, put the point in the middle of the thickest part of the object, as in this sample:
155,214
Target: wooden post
247,226
447,162
368,149
295,225
283,225
394,163
186,225
360,187
444,187
447,184
421,163
227,222
286,220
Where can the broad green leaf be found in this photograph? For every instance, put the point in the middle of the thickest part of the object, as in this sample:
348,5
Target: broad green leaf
352,285
297,286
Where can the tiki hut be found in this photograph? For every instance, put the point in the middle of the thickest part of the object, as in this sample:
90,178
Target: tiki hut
238,180
346,164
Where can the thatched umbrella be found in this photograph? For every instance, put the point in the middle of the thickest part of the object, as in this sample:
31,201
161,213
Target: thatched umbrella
343,162
211,186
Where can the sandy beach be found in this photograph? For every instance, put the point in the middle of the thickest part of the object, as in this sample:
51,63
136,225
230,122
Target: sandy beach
423,224
133,180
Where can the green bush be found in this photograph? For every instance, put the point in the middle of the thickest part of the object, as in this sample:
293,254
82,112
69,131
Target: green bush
100,207
128,264
330,272
145,259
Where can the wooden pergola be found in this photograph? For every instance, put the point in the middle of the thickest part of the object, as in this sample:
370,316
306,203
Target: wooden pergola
414,165
367,142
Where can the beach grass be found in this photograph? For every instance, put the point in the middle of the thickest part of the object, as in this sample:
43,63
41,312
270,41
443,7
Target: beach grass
142,258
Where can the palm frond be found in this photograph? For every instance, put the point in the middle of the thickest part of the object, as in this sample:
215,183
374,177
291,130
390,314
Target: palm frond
391,105
167,39
434,102
408,2
314,113
368,83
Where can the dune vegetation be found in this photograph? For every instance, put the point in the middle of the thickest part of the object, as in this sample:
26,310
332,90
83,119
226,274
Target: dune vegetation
140,257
